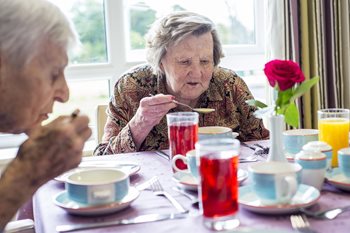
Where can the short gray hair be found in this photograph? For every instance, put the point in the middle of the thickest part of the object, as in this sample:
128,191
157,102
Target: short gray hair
26,23
172,29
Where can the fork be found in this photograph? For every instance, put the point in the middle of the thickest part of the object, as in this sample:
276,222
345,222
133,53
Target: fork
158,190
301,224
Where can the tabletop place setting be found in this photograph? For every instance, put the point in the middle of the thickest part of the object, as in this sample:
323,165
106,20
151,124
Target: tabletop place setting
208,177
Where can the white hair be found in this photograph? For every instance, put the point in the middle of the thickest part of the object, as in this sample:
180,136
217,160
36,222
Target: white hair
25,24
172,29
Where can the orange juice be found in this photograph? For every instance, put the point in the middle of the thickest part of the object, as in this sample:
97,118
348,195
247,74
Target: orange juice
334,131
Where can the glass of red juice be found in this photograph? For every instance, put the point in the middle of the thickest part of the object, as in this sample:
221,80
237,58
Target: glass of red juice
218,189
183,134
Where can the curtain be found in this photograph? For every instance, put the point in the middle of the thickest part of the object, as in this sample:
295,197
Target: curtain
315,34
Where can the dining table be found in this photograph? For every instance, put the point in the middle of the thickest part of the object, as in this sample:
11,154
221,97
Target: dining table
47,215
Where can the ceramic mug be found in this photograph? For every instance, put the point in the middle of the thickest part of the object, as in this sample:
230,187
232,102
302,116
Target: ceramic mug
215,132
344,161
97,185
190,160
323,147
314,165
295,139
275,182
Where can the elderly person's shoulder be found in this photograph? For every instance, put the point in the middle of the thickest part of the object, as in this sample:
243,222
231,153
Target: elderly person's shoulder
224,75
141,75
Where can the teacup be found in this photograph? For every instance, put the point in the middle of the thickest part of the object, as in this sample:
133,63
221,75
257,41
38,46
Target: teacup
97,185
295,139
344,161
190,160
275,182
323,147
215,132
314,165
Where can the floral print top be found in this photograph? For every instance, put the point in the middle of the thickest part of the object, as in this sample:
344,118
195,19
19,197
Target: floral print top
227,94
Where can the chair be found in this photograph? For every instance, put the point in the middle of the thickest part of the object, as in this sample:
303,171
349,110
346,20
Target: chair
20,226
101,118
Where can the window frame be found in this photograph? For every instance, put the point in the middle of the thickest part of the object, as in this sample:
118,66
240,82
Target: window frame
242,57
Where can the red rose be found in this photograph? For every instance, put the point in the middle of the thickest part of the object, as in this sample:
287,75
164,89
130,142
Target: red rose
285,73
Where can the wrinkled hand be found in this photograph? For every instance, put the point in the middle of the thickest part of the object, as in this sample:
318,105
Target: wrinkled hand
150,112
152,109
54,148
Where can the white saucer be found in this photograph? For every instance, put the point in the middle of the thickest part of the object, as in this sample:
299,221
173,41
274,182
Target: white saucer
130,168
338,179
305,196
187,181
72,207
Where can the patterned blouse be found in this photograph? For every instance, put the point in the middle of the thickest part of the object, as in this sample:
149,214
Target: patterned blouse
227,94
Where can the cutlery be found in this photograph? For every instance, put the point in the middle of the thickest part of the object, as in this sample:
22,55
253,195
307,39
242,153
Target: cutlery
257,150
186,194
163,154
301,224
265,148
159,191
139,219
327,214
108,164
251,158
194,199
144,185
199,110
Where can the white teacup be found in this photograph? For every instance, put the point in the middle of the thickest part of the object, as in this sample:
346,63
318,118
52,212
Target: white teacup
215,132
275,182
323,147
314,165
295,139
97,185
190,160
344,161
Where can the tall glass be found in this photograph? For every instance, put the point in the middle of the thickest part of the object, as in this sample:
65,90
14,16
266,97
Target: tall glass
183,134
218,190
333,126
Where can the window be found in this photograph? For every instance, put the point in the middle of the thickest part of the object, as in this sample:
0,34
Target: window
239,24
88,17
112,36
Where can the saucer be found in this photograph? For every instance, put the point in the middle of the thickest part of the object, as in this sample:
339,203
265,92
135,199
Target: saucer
130,168
185,180
338,179
305,197
76,208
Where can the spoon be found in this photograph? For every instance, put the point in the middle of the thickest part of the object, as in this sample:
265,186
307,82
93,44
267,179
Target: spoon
328,214
194,200
199,110
257,150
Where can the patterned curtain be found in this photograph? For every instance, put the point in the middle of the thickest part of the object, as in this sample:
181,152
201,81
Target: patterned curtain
314,33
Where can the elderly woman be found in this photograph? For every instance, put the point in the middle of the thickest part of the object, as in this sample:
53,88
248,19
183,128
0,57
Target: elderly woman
184,52
34,38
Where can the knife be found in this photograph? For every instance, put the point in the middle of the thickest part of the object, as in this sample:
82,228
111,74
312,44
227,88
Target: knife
139,219
163,154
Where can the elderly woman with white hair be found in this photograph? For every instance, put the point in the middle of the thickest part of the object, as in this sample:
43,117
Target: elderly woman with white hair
34,39
183,53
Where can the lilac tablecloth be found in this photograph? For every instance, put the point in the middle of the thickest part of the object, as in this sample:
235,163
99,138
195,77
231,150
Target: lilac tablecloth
47,215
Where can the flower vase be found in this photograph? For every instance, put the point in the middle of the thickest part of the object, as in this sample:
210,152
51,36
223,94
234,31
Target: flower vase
277,126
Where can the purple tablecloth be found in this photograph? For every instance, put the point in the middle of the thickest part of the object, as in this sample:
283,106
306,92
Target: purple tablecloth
47,215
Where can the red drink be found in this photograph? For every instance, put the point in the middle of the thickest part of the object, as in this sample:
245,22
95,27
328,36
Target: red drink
182,138
219,186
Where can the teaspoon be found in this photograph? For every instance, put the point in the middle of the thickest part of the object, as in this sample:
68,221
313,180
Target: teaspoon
328,214
199,110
